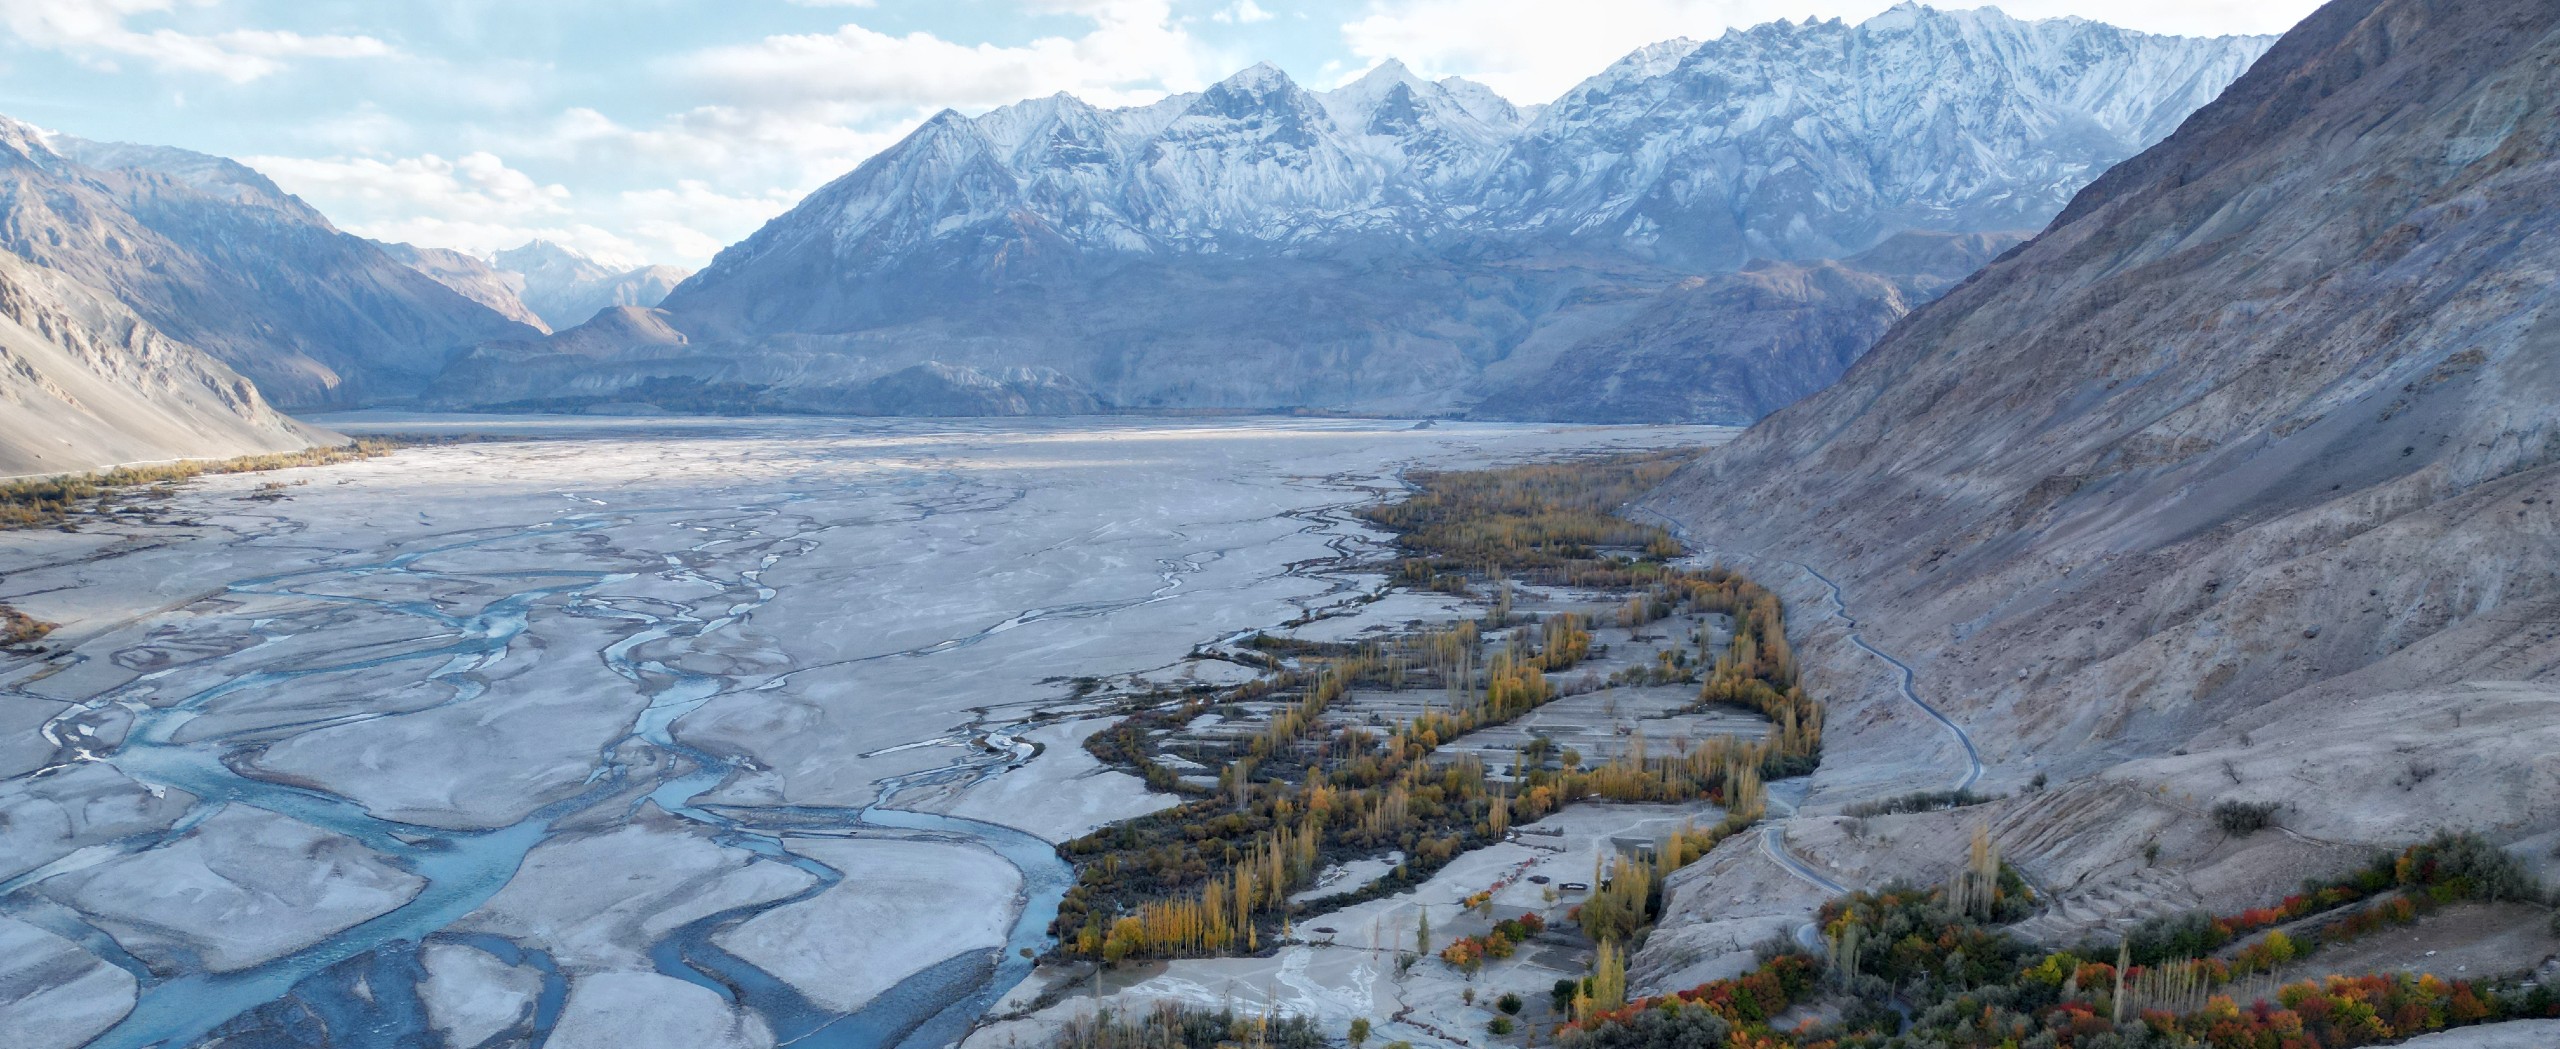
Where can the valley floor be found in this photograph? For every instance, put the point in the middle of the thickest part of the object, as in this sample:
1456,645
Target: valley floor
689,732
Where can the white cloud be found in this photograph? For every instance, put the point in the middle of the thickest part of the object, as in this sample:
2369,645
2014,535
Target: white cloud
96,31
796,146
1134,53
478,203
1243,12
692,222
480,183
1534,50
472,202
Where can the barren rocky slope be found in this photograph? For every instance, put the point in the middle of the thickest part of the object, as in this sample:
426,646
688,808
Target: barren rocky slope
474,278
218,257
85,384
2236,483
1733,347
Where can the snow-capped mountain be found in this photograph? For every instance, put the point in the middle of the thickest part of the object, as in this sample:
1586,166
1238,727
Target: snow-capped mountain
567,288
1818,139
472,277
1401,244
1253,160
1785,140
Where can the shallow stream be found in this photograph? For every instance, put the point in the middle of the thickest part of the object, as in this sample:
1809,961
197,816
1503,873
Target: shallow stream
359,986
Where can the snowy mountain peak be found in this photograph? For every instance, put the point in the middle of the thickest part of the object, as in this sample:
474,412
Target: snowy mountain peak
1379,78
545,260
1258,80
1824,137
1792,140
1481,102
565,286
1652,60
24,139
1391,68
1352,103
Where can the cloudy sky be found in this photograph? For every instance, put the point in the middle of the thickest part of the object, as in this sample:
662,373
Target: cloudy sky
660,130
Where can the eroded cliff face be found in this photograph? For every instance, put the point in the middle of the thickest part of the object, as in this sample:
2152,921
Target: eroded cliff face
85,383
2237,482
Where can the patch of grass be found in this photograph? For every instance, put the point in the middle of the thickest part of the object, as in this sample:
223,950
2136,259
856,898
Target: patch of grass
45,502
18,628
1550,523
1918,801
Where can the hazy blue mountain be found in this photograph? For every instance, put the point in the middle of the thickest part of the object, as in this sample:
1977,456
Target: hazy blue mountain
567,288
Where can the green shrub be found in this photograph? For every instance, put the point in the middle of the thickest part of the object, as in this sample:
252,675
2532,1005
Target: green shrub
1918,801
1654,1029
2243,818
2466,866
1170,1026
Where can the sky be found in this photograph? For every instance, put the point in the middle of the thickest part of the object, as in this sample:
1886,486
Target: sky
662,130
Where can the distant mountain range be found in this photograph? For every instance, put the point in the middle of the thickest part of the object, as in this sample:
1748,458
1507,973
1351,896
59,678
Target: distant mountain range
155,302
541,284
1405,245
568,289
1702,232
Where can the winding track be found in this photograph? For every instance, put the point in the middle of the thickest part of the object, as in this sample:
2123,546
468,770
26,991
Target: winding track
1972,758
1773,838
